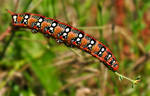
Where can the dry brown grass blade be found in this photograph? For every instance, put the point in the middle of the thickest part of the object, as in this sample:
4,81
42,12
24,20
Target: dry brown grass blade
140,62
77,80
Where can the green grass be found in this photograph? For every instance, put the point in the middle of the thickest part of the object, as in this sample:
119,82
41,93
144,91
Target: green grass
29,67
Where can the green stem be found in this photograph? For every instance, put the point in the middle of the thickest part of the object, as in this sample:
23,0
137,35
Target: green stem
131,80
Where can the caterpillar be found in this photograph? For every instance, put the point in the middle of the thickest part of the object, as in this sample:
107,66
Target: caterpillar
66,34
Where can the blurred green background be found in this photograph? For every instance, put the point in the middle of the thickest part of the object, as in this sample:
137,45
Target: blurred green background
32,65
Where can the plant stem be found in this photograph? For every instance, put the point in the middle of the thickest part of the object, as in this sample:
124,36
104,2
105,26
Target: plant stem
131,80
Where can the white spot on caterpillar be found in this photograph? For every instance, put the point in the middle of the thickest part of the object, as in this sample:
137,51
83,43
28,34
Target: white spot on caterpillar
67,30
25,20
51,28
92,41
89,45
78,39
14,17
64,34
102,49
100,53
109,56
114,62
38,24
80,35
53,24
26,16
40,20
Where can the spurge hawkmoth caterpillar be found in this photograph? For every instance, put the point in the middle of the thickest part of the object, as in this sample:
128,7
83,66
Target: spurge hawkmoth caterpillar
66,34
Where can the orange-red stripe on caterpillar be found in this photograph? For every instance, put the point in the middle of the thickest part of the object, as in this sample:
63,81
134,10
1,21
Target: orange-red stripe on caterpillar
66,34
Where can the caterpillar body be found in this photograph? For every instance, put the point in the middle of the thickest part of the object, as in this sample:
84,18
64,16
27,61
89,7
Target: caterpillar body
66,34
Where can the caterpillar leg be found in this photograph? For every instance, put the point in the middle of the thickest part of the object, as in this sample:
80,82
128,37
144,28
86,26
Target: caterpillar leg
59,41
47,35
34,30
69,45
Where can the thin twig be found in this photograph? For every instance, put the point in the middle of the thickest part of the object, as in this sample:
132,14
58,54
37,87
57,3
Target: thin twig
6,33
16,5
74,51
65,12
140,62
8,30
94,27
6,45
129,79
105,81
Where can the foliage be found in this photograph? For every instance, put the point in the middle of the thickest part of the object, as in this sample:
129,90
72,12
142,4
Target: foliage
32,65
